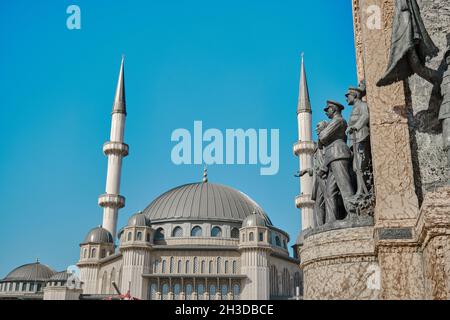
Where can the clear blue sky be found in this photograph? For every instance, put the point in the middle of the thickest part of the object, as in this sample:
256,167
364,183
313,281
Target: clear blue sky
231,64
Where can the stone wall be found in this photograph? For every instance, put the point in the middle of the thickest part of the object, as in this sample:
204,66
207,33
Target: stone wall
429,159
341,265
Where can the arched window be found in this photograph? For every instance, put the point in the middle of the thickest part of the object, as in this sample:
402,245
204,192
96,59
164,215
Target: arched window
235,233
179,267
195,269
203,267
177,291
243,237
139,236
234,267
189,291
210,269
196,232
297,283
236,291
188,267
212,292
85,253
219,265
163,267
284,244
165,291
103,253
153,290
226,267
155,270
129,236
251,237
274,286
177,232
93,253
261,237
147,238
159,234
201,292
224,292
119,281
286,282
171,265
111,280
277,241
104,283
216,232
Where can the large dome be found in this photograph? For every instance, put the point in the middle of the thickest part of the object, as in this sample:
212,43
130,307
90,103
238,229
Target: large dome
30,272
203,202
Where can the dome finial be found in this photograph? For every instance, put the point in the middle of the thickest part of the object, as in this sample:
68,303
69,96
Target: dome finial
205,175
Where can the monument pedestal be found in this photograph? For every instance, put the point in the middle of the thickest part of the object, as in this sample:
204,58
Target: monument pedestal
340,265
433,232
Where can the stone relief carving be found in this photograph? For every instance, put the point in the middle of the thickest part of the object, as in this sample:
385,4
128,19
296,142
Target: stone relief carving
411,45
411,48
444,111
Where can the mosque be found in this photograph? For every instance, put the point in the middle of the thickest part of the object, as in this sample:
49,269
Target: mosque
198,241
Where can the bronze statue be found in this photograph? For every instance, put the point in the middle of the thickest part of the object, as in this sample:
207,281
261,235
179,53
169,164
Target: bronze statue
444,112
319,180
360,135
337,157
410,46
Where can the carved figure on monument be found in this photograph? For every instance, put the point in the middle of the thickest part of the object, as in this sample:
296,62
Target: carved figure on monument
319,183
359,133
411,45
337,156
444,112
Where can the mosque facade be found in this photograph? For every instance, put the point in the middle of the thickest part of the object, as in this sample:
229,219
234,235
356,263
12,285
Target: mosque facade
198,241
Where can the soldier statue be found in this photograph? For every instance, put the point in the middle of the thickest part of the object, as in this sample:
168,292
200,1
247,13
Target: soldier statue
444,112
337,157
359,134
318,172
411,45
319,180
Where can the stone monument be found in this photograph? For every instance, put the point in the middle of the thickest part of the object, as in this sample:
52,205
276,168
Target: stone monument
394,239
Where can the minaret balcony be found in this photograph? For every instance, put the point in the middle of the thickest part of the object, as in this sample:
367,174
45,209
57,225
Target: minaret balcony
304,147
117,148
111,201
304,201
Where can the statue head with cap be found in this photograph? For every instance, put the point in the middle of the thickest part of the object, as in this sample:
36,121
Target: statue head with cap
353,94
333,108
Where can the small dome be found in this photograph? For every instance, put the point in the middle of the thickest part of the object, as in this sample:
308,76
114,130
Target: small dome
255,220
99,235
139,220
30,272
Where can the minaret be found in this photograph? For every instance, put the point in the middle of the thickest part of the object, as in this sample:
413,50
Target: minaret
304,149
115,150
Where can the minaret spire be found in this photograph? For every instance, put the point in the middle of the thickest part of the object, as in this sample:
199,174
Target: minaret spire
120,103
304,149
304,103
115,150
